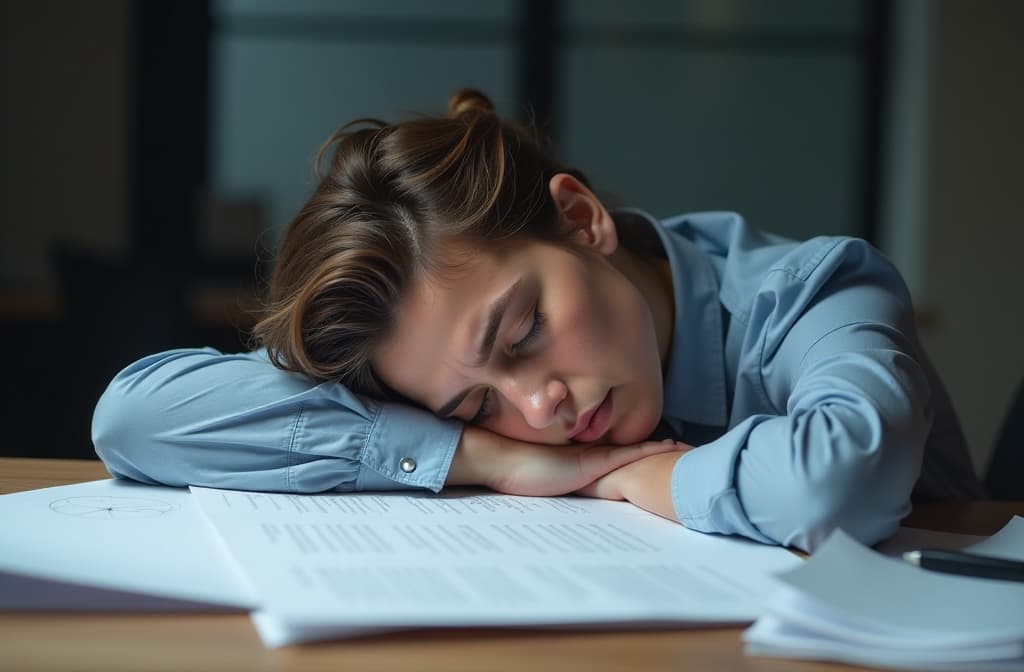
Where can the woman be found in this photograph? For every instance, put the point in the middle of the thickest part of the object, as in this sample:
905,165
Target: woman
452,306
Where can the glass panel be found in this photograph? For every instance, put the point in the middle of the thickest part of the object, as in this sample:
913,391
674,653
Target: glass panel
392,9
775,136
274,101
786,15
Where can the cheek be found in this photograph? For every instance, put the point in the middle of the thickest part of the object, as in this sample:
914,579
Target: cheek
640,420
607,323
630,349
586,326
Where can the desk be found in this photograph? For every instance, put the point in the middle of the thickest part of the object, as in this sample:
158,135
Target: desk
61,641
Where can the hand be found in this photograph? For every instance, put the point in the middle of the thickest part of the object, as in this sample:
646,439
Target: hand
647,482
520,468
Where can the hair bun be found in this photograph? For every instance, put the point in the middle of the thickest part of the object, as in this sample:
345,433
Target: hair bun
466,101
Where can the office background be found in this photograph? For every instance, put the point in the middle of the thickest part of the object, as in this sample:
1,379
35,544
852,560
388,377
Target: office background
153,151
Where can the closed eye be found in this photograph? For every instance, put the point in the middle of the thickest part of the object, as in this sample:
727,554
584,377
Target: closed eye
487,403
531,335
486,407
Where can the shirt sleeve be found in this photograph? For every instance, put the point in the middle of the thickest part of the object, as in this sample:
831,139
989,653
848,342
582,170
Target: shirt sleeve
836,361
200,417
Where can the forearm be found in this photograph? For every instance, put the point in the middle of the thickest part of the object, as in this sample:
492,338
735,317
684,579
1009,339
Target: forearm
515,467
200,417
846,455
647,483
477,451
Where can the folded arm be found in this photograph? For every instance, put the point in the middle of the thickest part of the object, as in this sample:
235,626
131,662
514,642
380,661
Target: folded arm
845,453
845,416
200,417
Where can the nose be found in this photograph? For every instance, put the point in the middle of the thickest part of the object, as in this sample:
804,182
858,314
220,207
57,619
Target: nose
539,401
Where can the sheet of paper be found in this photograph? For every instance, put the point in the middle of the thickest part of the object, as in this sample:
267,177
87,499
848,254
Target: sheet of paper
1006,543
113,544
326,564
913,539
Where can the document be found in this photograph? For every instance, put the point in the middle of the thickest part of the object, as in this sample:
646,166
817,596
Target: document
113,545
912,539
1007,543
851,604
341,564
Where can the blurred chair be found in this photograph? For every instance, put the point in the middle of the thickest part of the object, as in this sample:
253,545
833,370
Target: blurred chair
1004,477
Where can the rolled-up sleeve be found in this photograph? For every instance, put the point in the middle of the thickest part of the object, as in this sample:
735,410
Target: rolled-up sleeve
200,417
846,416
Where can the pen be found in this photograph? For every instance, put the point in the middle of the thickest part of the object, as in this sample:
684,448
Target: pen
966,564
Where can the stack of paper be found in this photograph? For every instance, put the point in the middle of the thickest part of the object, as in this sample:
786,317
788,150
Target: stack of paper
851,604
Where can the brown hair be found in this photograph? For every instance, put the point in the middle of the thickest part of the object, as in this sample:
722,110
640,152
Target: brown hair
395,196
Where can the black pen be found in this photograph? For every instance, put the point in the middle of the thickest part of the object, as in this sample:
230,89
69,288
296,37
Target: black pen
966,564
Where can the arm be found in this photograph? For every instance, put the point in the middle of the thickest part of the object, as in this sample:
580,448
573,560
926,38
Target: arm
199,417
647,482
845,454
846,416
515,467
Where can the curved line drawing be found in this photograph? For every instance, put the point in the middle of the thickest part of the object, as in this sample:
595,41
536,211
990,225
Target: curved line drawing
111,507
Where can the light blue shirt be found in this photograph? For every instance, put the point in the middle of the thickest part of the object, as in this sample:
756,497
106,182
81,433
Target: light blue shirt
795,368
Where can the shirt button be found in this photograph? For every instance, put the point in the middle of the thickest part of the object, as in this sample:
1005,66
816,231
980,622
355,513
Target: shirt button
408,465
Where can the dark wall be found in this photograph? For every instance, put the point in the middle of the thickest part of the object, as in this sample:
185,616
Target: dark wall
107,125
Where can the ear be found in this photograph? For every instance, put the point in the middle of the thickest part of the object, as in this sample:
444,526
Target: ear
582,214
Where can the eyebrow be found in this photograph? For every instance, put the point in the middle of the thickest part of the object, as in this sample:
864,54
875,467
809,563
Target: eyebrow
495,313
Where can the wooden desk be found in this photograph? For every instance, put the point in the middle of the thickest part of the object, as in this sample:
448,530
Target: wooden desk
61,641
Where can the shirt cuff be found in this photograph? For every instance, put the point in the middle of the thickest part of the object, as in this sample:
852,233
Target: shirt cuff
704,491
407,448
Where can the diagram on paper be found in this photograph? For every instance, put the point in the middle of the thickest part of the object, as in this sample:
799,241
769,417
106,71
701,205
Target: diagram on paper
111,507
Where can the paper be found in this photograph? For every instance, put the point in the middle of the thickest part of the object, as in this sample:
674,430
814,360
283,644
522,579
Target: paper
334,565
789,641
851,604
1007,543
913,539
113,544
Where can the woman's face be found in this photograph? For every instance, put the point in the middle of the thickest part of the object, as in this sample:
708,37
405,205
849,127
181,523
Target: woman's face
539,344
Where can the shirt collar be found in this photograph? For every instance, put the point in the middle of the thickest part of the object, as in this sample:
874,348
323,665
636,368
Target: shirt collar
694,380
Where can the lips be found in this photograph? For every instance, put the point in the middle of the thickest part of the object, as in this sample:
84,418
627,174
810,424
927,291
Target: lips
593,424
